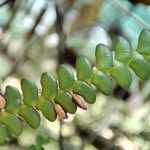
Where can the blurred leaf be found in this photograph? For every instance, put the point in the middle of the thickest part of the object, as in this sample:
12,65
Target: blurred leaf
87,15
41,139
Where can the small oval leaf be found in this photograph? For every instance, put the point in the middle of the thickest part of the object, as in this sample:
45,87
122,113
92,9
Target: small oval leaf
13,99
143,47
30,92
49,86
122,75
104,58
102,81
64,99
140,66
147,57
65,77
123,51
86,91
84,69
47,109
12,123
30,115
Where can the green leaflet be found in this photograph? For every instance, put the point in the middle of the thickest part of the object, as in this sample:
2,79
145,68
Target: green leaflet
84,69
30,115
3,135
147,57
13,99
65,77
140,66
47,109
30,92
104,58
143,47
122,75
49,86
102,81
123,51
12,123
85,90
65,100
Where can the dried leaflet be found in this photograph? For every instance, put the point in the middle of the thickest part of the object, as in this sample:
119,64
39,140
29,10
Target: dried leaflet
79,100
2,102
60,112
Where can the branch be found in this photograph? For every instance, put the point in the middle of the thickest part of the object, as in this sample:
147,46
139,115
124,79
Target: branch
96,140
124,10
5,2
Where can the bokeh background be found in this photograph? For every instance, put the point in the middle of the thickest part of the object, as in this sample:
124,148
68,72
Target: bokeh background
37,35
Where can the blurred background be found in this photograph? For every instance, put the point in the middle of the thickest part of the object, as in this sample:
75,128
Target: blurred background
37,35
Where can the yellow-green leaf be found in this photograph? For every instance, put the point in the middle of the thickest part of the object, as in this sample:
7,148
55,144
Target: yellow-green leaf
102,81
64,99
65,77
140,66
49,86
143,47
30,115
84,69
47,109
104,58
122,75
13,99
85,90
12,123
30,92
123,51
3,135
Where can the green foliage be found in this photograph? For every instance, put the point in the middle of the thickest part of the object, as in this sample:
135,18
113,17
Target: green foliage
49,86
143,47
26,109
30,115
104,57
3,135
64,99
12,123
85,90
13,98
84,69
122,75
40,141
140,66
65,77
123,51
30,92
47,109
99,79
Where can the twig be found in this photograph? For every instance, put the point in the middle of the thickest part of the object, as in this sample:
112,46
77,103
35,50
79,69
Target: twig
38,19
96,140
62,37
12,17
60,135
28,40
5,2
61,53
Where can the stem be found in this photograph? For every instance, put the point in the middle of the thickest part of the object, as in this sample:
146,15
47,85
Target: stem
60,135
61,54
